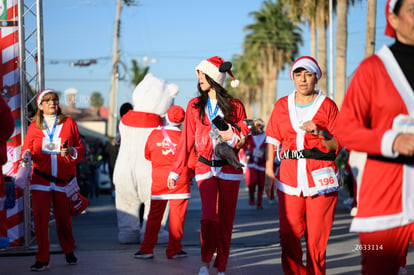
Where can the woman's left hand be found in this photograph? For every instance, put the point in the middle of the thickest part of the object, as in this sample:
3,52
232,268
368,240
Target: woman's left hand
228,134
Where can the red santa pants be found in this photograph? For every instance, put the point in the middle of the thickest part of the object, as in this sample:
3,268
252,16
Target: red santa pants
312,216
178,211
383,252
41,215
255,178
218,206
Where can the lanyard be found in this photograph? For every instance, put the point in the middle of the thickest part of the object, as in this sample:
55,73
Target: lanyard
51,134
212,114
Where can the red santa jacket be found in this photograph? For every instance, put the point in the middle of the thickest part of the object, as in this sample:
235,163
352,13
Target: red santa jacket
255,149
377,94
295,175
55,165
196,133
162,156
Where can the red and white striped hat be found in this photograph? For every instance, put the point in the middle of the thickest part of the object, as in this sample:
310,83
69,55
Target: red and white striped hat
309,64
42,94
389,8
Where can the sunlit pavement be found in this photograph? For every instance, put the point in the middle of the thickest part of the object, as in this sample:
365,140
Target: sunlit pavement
255,244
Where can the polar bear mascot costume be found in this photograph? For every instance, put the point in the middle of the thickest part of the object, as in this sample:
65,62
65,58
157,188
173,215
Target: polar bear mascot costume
132,173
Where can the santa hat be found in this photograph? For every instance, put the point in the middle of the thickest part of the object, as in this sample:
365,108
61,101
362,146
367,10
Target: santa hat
309,64
42,94
216,68
175,115
389,8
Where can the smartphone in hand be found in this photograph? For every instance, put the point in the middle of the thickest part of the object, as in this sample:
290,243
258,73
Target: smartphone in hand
220,123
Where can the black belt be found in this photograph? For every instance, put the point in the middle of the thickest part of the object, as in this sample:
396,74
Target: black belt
399,159
313,153
213,163
50,177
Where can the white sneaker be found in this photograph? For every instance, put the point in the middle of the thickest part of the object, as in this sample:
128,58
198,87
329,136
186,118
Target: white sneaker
203,271
221,273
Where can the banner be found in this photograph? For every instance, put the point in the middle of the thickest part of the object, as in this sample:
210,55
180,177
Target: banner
10,90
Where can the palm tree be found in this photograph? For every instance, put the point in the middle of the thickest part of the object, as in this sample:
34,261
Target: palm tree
275,40
370,36
96,101
341,50
138,73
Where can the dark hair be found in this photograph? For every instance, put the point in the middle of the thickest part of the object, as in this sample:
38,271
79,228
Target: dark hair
397,6
224,100
125,108
38,117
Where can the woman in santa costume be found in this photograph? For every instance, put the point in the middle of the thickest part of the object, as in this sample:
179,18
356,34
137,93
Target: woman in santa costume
303,124
54,145
218,181
255,150
377,118
161,150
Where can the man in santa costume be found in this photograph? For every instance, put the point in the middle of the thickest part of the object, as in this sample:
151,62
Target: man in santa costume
377,118
132,173
161,149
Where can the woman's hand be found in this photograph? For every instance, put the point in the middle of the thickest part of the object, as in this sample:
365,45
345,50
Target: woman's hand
404,145
67,151
311,128
226,135
171,183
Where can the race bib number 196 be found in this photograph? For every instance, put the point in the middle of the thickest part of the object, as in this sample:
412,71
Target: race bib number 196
325,180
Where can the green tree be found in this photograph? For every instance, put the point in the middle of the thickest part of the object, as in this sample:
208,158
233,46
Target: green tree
96,101
274,40
138,73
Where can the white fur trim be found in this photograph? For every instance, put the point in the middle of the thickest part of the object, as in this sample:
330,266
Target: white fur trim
235,83
308,65
391,5
171,196
212,71
42,94
387,142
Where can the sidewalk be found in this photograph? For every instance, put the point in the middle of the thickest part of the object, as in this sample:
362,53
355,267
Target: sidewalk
255,245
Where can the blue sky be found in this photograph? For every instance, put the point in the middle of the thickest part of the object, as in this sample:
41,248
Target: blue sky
175,35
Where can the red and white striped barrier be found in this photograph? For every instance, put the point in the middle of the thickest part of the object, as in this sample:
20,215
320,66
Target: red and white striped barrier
10,82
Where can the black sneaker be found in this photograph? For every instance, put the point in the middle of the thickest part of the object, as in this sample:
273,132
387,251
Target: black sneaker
180,254
139,255
39,266
70,258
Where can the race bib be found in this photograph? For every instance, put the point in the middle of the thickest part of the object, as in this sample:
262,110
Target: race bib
404,124
325,180
51,147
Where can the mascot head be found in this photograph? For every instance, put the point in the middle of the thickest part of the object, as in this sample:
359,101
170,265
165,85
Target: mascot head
154,95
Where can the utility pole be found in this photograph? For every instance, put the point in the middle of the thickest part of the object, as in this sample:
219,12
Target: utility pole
113,98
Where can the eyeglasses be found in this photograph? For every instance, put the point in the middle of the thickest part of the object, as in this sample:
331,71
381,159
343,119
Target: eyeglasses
55,100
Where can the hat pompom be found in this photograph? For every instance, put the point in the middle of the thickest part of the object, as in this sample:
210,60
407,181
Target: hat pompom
235,83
